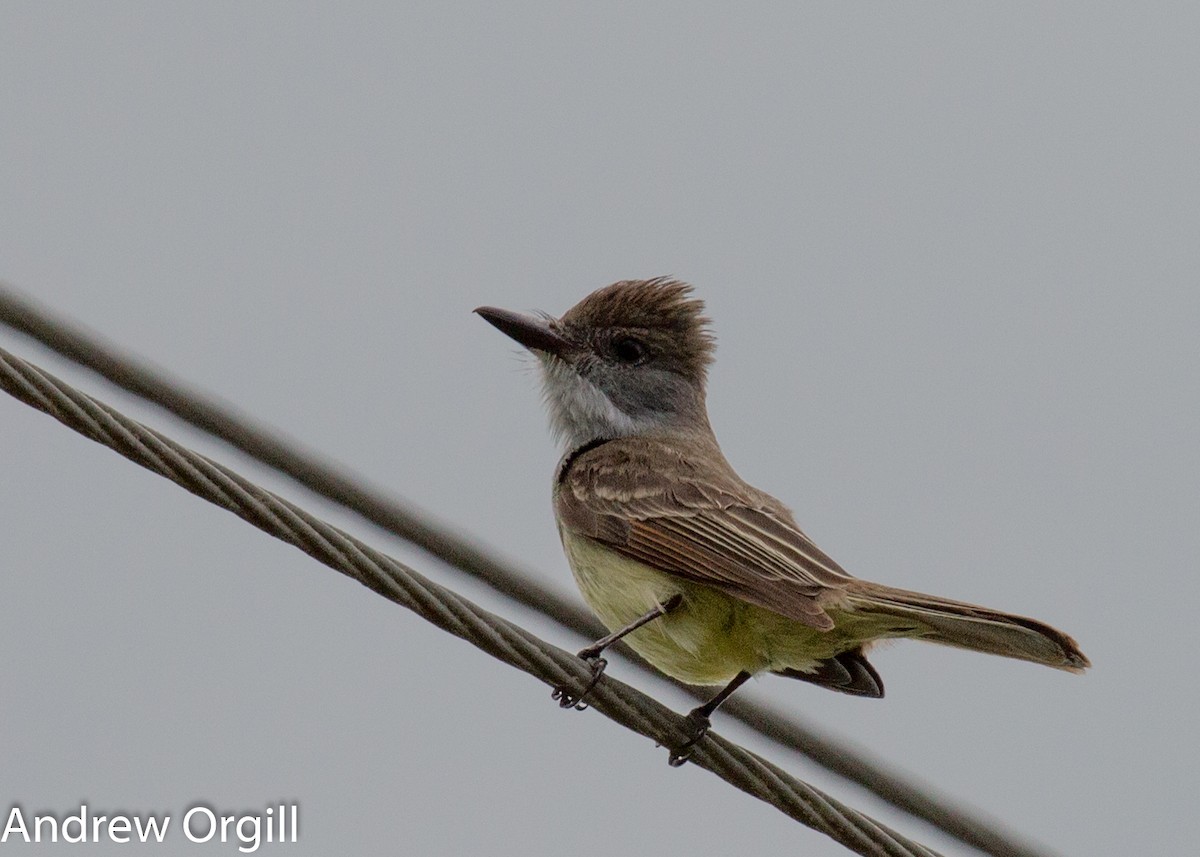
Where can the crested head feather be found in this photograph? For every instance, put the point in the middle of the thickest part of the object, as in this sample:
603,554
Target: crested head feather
661,308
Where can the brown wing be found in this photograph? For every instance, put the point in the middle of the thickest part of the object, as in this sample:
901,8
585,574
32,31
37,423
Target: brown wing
678,506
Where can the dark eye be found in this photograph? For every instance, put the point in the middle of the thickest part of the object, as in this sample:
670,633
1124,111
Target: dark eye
629,350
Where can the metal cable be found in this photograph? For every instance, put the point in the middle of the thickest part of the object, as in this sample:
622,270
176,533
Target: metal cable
446,609
450,546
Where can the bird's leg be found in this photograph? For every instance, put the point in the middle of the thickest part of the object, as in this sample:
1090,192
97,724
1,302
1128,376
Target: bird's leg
591,653
699,723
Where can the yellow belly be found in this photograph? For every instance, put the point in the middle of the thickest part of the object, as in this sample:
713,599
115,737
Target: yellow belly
711,636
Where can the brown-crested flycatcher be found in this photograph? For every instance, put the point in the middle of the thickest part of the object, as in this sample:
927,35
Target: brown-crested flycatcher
704,576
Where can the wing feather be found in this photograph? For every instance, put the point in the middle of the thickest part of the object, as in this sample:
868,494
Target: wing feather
677,506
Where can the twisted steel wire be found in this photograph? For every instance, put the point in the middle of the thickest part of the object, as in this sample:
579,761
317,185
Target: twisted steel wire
451,547
498,637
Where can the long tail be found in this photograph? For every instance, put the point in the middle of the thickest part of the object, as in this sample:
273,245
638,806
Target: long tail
955,623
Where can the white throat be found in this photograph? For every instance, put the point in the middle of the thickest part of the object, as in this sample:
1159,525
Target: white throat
580,411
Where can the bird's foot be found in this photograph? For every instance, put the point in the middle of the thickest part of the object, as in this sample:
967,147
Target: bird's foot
698,726
567,699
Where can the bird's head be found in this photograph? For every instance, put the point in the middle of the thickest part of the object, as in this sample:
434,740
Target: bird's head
630,359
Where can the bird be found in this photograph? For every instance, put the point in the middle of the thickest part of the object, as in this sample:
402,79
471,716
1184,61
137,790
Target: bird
704,576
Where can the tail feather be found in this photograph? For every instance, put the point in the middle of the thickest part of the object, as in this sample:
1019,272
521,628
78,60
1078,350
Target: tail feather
850,672
968,626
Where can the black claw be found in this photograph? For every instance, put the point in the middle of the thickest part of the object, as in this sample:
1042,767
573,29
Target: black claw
678,758
566,699
698,726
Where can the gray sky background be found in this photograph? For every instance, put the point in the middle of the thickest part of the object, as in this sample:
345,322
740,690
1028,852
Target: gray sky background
951,255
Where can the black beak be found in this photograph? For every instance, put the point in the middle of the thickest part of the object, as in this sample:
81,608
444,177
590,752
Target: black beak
530,331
